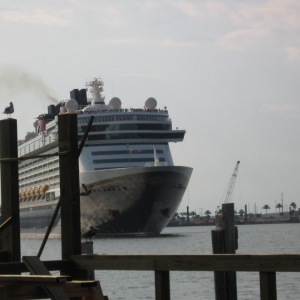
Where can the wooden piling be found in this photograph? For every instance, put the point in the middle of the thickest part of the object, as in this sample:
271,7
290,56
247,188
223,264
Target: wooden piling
87,248
217,236
224,240
162,285
268,285
229,247
69,185
69,190
10,189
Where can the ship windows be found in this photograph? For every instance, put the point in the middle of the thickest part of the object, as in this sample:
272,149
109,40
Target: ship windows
127,126
121,160
136,135
129,151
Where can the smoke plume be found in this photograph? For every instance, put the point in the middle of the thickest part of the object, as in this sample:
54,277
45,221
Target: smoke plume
15,81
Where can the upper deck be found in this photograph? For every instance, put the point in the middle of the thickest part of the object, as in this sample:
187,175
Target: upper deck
110,126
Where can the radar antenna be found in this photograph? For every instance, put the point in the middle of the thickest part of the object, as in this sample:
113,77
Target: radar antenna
232,183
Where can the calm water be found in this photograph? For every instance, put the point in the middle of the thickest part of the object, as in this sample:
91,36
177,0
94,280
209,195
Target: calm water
253,239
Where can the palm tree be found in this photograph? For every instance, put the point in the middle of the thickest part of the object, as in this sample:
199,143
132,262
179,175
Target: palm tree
278,206
293,205
241,212
266,207
193,213
207,213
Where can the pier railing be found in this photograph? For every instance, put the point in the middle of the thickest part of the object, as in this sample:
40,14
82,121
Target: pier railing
161,265
266,265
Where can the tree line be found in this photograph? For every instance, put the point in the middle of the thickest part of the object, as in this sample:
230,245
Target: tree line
241,212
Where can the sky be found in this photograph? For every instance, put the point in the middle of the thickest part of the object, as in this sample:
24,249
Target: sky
228,72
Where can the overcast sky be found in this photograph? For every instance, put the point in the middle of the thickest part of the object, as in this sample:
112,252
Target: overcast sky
228,71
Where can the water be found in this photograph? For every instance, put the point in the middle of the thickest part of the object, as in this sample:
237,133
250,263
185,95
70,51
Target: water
253,239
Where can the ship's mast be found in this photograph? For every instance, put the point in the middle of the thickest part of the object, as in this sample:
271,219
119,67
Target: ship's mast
96,87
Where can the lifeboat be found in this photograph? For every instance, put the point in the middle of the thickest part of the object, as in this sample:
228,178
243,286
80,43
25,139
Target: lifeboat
27,195
22,194
43,189
31,192
36,191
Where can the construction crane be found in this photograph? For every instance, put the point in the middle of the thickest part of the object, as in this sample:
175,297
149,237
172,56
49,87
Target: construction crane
232,183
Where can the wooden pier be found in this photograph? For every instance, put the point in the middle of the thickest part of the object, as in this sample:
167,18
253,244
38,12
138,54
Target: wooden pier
162,265
74,283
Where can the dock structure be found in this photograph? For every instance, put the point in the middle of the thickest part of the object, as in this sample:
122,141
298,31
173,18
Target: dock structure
73,282
266,265
70,225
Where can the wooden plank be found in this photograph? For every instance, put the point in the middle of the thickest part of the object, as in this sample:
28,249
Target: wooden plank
206,262
268,286
33,278
162,285
91,291
19,267
35,266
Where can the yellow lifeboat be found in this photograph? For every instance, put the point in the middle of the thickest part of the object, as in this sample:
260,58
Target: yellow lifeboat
36,191
43,189
31,192
27,195
22,194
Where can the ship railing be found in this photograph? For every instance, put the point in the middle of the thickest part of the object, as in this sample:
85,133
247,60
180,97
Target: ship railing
152,164
135,110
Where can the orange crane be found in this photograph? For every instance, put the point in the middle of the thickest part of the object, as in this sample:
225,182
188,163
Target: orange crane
232,183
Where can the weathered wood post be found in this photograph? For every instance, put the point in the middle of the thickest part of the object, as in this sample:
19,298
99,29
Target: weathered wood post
230,244
69,185
224,241
10,189
162,285
268,286
87,248
218,242
69,189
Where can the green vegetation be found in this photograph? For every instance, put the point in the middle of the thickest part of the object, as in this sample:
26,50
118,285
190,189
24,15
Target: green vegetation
266,207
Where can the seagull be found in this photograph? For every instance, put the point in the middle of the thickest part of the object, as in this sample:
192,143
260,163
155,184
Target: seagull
9,109
88,234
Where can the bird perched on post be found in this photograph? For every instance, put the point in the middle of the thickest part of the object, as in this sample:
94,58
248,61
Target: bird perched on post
88,233
9,109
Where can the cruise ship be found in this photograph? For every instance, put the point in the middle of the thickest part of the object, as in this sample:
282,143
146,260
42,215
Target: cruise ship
128,181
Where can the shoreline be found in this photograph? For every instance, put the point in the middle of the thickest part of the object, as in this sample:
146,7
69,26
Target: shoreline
212,223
